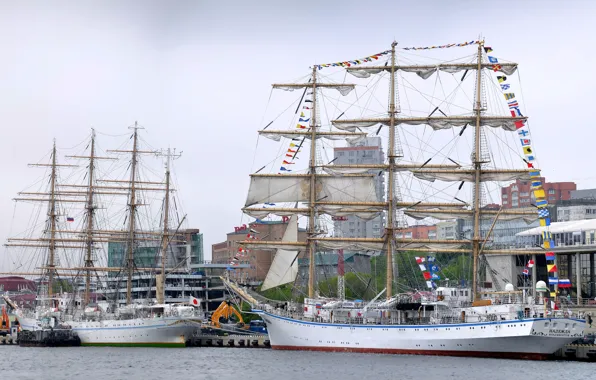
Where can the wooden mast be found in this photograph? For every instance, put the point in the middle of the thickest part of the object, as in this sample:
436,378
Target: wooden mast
477,168
52,215
311,249
131,216
391,175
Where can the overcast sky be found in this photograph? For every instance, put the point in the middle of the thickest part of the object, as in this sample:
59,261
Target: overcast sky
197,75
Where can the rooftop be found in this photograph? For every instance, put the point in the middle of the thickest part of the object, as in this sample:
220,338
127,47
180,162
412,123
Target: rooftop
562,227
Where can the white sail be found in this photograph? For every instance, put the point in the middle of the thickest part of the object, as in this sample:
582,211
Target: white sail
469,175
343,89
352,138
363,212
296,188
508,123
284,268
468,214
426,71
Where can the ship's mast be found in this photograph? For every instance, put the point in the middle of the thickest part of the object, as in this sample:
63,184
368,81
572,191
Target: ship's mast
311,248
390,232
160,289
476,240
132,207
90,217
52,215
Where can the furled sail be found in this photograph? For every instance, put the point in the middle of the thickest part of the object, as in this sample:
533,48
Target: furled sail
528,216
296,188
469,175
363,212
425,71
351,138
343,89
284,267
508,123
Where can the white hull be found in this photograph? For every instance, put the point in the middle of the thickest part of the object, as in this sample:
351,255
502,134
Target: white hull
136,332
159,332
534,338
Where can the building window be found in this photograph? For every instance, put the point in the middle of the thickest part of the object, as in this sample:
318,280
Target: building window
340,153
505,196
552,191
351,153
505,202
524,194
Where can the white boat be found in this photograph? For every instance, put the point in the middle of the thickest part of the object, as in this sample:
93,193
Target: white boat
495,331
475,321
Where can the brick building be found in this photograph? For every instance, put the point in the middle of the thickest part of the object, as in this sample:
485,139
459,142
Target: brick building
519,194
417,232
259,259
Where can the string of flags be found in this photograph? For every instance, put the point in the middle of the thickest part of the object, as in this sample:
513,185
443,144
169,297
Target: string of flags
242,252
442,46
535,177
354,62
296,144
430,273
370,58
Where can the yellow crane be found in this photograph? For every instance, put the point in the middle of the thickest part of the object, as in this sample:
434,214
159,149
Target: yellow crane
225,310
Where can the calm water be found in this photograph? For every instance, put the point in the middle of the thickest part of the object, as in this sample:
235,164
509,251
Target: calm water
90,363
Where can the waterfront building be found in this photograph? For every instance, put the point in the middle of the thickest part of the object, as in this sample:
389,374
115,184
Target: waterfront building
519,194
187,250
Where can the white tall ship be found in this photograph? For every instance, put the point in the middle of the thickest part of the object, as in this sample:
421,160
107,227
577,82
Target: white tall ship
149,322
438,320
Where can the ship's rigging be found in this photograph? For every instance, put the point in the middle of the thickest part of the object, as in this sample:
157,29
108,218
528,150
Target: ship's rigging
339,190
90,236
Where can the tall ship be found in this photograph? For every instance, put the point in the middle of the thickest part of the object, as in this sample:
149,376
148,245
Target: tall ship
65,256
452,142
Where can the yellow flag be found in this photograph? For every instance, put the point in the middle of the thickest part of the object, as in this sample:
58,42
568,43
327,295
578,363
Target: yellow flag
301,114
542,223
546,244
527,150
539,193
553,294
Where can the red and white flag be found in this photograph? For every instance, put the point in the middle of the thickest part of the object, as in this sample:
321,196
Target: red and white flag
530,263
195,301
420,260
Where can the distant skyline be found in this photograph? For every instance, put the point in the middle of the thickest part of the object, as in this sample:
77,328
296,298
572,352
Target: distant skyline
197,75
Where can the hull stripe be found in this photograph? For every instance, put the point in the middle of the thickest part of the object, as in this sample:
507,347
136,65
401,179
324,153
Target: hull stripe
148,344
480,354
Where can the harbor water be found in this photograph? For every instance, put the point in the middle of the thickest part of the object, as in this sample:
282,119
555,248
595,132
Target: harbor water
92,363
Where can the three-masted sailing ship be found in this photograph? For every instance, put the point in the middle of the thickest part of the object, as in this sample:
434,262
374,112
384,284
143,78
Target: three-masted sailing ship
122,322
461,321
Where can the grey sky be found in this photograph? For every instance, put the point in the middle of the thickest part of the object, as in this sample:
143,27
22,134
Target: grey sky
197,75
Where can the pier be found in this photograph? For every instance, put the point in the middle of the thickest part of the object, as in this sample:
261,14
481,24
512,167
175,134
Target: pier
248,341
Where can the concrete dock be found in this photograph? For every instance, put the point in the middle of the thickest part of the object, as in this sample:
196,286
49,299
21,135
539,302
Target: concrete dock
248,341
